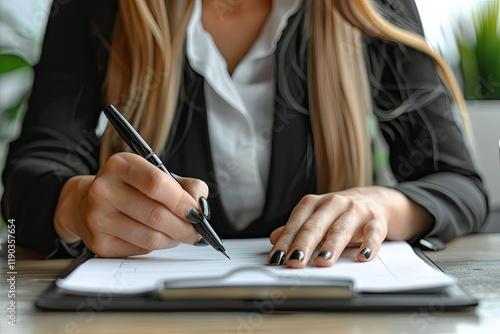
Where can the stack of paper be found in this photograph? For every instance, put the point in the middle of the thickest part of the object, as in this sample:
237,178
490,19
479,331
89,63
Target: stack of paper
396,268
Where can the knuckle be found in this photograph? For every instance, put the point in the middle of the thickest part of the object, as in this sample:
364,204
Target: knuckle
290,230
302,244
153,240
94,219
371,240
97,190
97,247
156,216
340,230
205,189
312,226
355,206
378,229
329,245
115,161
179,205
336,199
285,239
112,160
308,200
378,217
189,238
360,210
90,219
152,181
200,186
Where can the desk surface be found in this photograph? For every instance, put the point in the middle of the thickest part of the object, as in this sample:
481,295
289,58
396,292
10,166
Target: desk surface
474,260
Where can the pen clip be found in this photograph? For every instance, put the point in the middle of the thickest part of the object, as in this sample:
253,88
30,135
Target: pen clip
141,150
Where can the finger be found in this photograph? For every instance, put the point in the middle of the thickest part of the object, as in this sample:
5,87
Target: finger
151,181
276,234
374,234
199,191
195,187
153,216
108,246
310,234
299,215
338,237
123,227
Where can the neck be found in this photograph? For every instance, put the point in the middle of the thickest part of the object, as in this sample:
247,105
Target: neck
235,7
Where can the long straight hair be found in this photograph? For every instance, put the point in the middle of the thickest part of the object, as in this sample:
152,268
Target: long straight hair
145,66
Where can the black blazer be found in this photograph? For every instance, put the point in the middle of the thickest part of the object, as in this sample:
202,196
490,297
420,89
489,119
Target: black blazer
428,155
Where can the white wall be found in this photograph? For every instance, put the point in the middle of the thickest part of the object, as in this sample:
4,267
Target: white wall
441,19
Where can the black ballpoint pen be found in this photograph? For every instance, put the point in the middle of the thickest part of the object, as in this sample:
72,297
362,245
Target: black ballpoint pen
140,147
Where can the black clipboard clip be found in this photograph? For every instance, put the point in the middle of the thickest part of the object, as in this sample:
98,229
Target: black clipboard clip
289,287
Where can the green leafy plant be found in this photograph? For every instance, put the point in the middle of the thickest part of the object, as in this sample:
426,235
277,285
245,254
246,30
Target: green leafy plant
22,25
8,64
479,48
10,114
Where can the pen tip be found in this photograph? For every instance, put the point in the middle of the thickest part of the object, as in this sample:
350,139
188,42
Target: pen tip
225,253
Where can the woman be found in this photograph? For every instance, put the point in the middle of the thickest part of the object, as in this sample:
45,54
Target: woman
265,105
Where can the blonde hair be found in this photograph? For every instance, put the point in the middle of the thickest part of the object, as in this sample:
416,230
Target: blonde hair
146,64
144,69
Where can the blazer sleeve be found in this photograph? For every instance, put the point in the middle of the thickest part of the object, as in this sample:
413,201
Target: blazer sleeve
429,155
57,139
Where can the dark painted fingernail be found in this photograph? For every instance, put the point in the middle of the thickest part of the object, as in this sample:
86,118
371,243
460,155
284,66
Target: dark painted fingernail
278,258
202,242
205,207
297,255
366,253
194,217
326,254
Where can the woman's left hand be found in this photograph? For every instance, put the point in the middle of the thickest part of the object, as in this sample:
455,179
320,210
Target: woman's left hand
365,215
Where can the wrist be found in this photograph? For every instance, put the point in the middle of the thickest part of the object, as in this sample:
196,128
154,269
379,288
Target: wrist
72,201
405,218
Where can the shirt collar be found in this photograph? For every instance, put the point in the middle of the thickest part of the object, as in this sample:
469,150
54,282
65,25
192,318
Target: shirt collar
205,58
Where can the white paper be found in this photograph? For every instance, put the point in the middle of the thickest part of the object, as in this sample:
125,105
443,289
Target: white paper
395,268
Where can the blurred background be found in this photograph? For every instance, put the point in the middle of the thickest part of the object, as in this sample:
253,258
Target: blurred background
465,32
22,25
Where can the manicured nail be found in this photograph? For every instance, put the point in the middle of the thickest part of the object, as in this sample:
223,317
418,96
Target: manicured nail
326,254
202,242
297,255
205,207
366,253
194,217
278,258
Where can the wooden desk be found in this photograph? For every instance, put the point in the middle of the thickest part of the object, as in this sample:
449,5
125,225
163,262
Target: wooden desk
474,260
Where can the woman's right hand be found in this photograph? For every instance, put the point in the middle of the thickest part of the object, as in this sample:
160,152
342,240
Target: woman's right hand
130,207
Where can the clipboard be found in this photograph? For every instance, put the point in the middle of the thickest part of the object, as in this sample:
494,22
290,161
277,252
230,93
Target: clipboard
327,296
